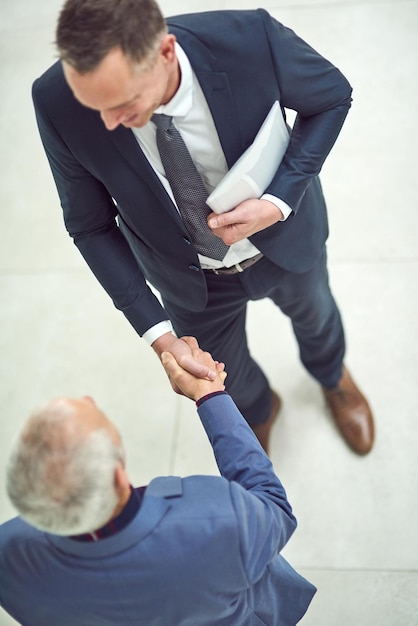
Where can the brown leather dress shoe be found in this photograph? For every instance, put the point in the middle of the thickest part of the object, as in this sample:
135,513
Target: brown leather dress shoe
262,431
351,413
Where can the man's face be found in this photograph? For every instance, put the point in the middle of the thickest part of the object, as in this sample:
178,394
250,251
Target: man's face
125,93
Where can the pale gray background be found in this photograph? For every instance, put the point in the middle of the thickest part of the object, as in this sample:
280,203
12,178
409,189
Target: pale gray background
60,335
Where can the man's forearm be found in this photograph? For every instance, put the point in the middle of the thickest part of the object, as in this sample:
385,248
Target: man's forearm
239,456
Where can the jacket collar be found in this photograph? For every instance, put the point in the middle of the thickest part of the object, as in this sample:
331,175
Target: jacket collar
155,506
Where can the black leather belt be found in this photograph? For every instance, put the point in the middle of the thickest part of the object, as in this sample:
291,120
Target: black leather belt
238,267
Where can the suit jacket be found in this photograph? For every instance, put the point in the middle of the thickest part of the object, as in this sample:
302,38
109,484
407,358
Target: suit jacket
201,550
117,211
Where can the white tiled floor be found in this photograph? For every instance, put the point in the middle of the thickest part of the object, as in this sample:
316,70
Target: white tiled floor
59,334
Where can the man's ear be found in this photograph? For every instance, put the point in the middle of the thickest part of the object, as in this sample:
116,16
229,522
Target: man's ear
121,479
167,47
122,488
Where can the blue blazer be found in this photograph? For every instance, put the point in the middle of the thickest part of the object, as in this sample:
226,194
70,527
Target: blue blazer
201,551
118,213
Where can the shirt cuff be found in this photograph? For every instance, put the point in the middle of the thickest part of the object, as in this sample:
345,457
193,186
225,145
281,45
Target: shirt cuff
284,208
156,331
208,396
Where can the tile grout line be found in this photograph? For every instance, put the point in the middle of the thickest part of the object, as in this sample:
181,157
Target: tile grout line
358,570
175,437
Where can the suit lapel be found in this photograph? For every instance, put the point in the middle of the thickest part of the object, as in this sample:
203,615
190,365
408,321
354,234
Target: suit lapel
125,142
216,87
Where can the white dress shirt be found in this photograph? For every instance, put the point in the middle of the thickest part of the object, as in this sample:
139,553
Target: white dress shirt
193,119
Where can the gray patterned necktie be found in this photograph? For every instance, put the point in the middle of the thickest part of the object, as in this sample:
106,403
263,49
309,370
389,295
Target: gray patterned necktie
187,186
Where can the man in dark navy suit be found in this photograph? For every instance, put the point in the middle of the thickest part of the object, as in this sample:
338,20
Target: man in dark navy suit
215,75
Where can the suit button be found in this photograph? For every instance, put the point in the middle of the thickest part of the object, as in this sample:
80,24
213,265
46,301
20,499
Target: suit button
194,268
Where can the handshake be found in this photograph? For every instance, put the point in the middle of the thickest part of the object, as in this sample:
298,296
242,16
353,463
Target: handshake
190,384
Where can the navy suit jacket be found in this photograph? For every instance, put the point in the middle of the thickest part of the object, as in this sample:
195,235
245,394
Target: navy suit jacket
202,550
117,211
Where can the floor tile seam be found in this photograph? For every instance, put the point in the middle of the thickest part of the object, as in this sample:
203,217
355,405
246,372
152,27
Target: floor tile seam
359,570
336,5
175,437
41,272
363,261
23,26
40,24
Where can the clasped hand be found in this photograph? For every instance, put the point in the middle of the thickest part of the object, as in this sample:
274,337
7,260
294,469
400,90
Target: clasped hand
190,384
248,217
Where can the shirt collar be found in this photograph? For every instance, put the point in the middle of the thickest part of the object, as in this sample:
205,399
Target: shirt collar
115,525
182,101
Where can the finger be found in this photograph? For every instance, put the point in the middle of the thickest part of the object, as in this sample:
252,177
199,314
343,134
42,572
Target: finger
188,364
225,219
204,358
197,369
191,342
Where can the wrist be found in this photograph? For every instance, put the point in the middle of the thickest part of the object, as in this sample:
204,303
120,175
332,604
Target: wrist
207,388
212,394
163,343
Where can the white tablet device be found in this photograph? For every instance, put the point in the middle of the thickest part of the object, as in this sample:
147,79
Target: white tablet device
253,172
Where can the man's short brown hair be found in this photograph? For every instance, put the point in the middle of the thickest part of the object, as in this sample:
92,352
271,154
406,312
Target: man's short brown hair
88,29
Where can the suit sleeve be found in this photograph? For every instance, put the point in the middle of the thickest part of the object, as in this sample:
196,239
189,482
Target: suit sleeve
321,97
90,218
264,516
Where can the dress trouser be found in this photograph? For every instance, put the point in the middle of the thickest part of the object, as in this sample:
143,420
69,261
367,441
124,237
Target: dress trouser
220,329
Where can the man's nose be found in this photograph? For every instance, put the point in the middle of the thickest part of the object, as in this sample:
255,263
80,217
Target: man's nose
111,119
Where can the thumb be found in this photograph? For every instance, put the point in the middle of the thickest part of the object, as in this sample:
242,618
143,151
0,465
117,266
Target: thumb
170,364
167,358
216,221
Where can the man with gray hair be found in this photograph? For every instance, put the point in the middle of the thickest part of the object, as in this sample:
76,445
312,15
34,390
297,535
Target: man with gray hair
63,470
89,550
